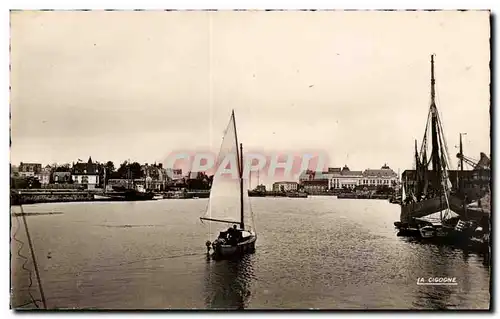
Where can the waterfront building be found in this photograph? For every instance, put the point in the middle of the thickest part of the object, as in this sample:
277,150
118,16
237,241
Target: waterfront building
44,177
29,169
155,177
174,174
340,178
472,183
61,177
315,186
260,188
285,186
384,176
86,174
310,175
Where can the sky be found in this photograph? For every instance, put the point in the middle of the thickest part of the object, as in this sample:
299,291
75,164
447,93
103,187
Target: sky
140,85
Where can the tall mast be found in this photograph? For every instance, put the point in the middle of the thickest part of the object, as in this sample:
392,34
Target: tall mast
417,161
239,156
436,159
241,188
461,154
461,186
418,187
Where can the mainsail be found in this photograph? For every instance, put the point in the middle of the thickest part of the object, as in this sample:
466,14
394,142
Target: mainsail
228,203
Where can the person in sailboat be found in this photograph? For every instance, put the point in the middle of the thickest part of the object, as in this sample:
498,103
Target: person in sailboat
233,235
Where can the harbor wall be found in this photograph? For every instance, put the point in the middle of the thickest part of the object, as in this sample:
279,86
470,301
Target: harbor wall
18,198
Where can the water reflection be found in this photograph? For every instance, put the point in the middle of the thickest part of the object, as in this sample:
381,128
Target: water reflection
428,262
227,283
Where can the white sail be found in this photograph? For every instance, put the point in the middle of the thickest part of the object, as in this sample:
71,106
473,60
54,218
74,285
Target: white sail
225,195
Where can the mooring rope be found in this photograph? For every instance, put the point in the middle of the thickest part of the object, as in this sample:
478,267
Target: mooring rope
23,266
30,243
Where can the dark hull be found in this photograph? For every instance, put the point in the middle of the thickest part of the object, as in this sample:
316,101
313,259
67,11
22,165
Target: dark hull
256,194
433,205
232,251
422,208
297,195
447,235
137,196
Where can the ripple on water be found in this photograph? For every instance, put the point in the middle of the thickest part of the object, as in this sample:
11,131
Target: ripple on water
318,252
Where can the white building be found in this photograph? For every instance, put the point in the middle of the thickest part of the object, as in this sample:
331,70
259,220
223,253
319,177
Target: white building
384,176
86,174
45,175
174,174
339,178
285,186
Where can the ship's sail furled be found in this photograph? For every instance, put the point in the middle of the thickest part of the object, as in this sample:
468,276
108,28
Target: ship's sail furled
432,186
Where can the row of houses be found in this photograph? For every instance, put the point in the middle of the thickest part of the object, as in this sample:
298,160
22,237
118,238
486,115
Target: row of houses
91,175
337,178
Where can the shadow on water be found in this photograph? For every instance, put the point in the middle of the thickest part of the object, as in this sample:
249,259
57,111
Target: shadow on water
227,283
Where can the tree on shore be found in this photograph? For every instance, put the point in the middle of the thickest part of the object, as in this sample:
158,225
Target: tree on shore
130,170
110,167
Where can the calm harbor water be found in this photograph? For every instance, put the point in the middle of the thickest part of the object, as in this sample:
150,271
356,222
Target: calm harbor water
319,252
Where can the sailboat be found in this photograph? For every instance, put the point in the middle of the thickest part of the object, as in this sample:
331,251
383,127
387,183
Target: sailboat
228,202
431,191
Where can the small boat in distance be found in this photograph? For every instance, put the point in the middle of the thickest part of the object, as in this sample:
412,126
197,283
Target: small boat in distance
229,203
158,196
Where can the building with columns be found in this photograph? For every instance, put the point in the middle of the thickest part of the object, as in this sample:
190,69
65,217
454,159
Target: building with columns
339,178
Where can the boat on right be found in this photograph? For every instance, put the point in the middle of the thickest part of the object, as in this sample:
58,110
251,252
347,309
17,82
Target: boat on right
458,200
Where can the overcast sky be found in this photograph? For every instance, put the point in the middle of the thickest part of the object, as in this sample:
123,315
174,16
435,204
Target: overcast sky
139,85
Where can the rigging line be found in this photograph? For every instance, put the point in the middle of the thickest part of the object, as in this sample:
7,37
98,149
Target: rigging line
424,139
21,245
444,140
443,160
30,243
446,157
440,119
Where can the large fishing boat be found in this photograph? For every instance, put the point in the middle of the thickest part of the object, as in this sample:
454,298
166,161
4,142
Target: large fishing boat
430,191
229,202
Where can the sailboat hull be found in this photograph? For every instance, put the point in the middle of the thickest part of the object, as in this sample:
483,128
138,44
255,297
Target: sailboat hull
225,251
437,204
422,208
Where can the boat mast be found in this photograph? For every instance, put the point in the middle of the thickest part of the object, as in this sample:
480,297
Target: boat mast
461,179
436,159
417,188
461,154
241,187
239,156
